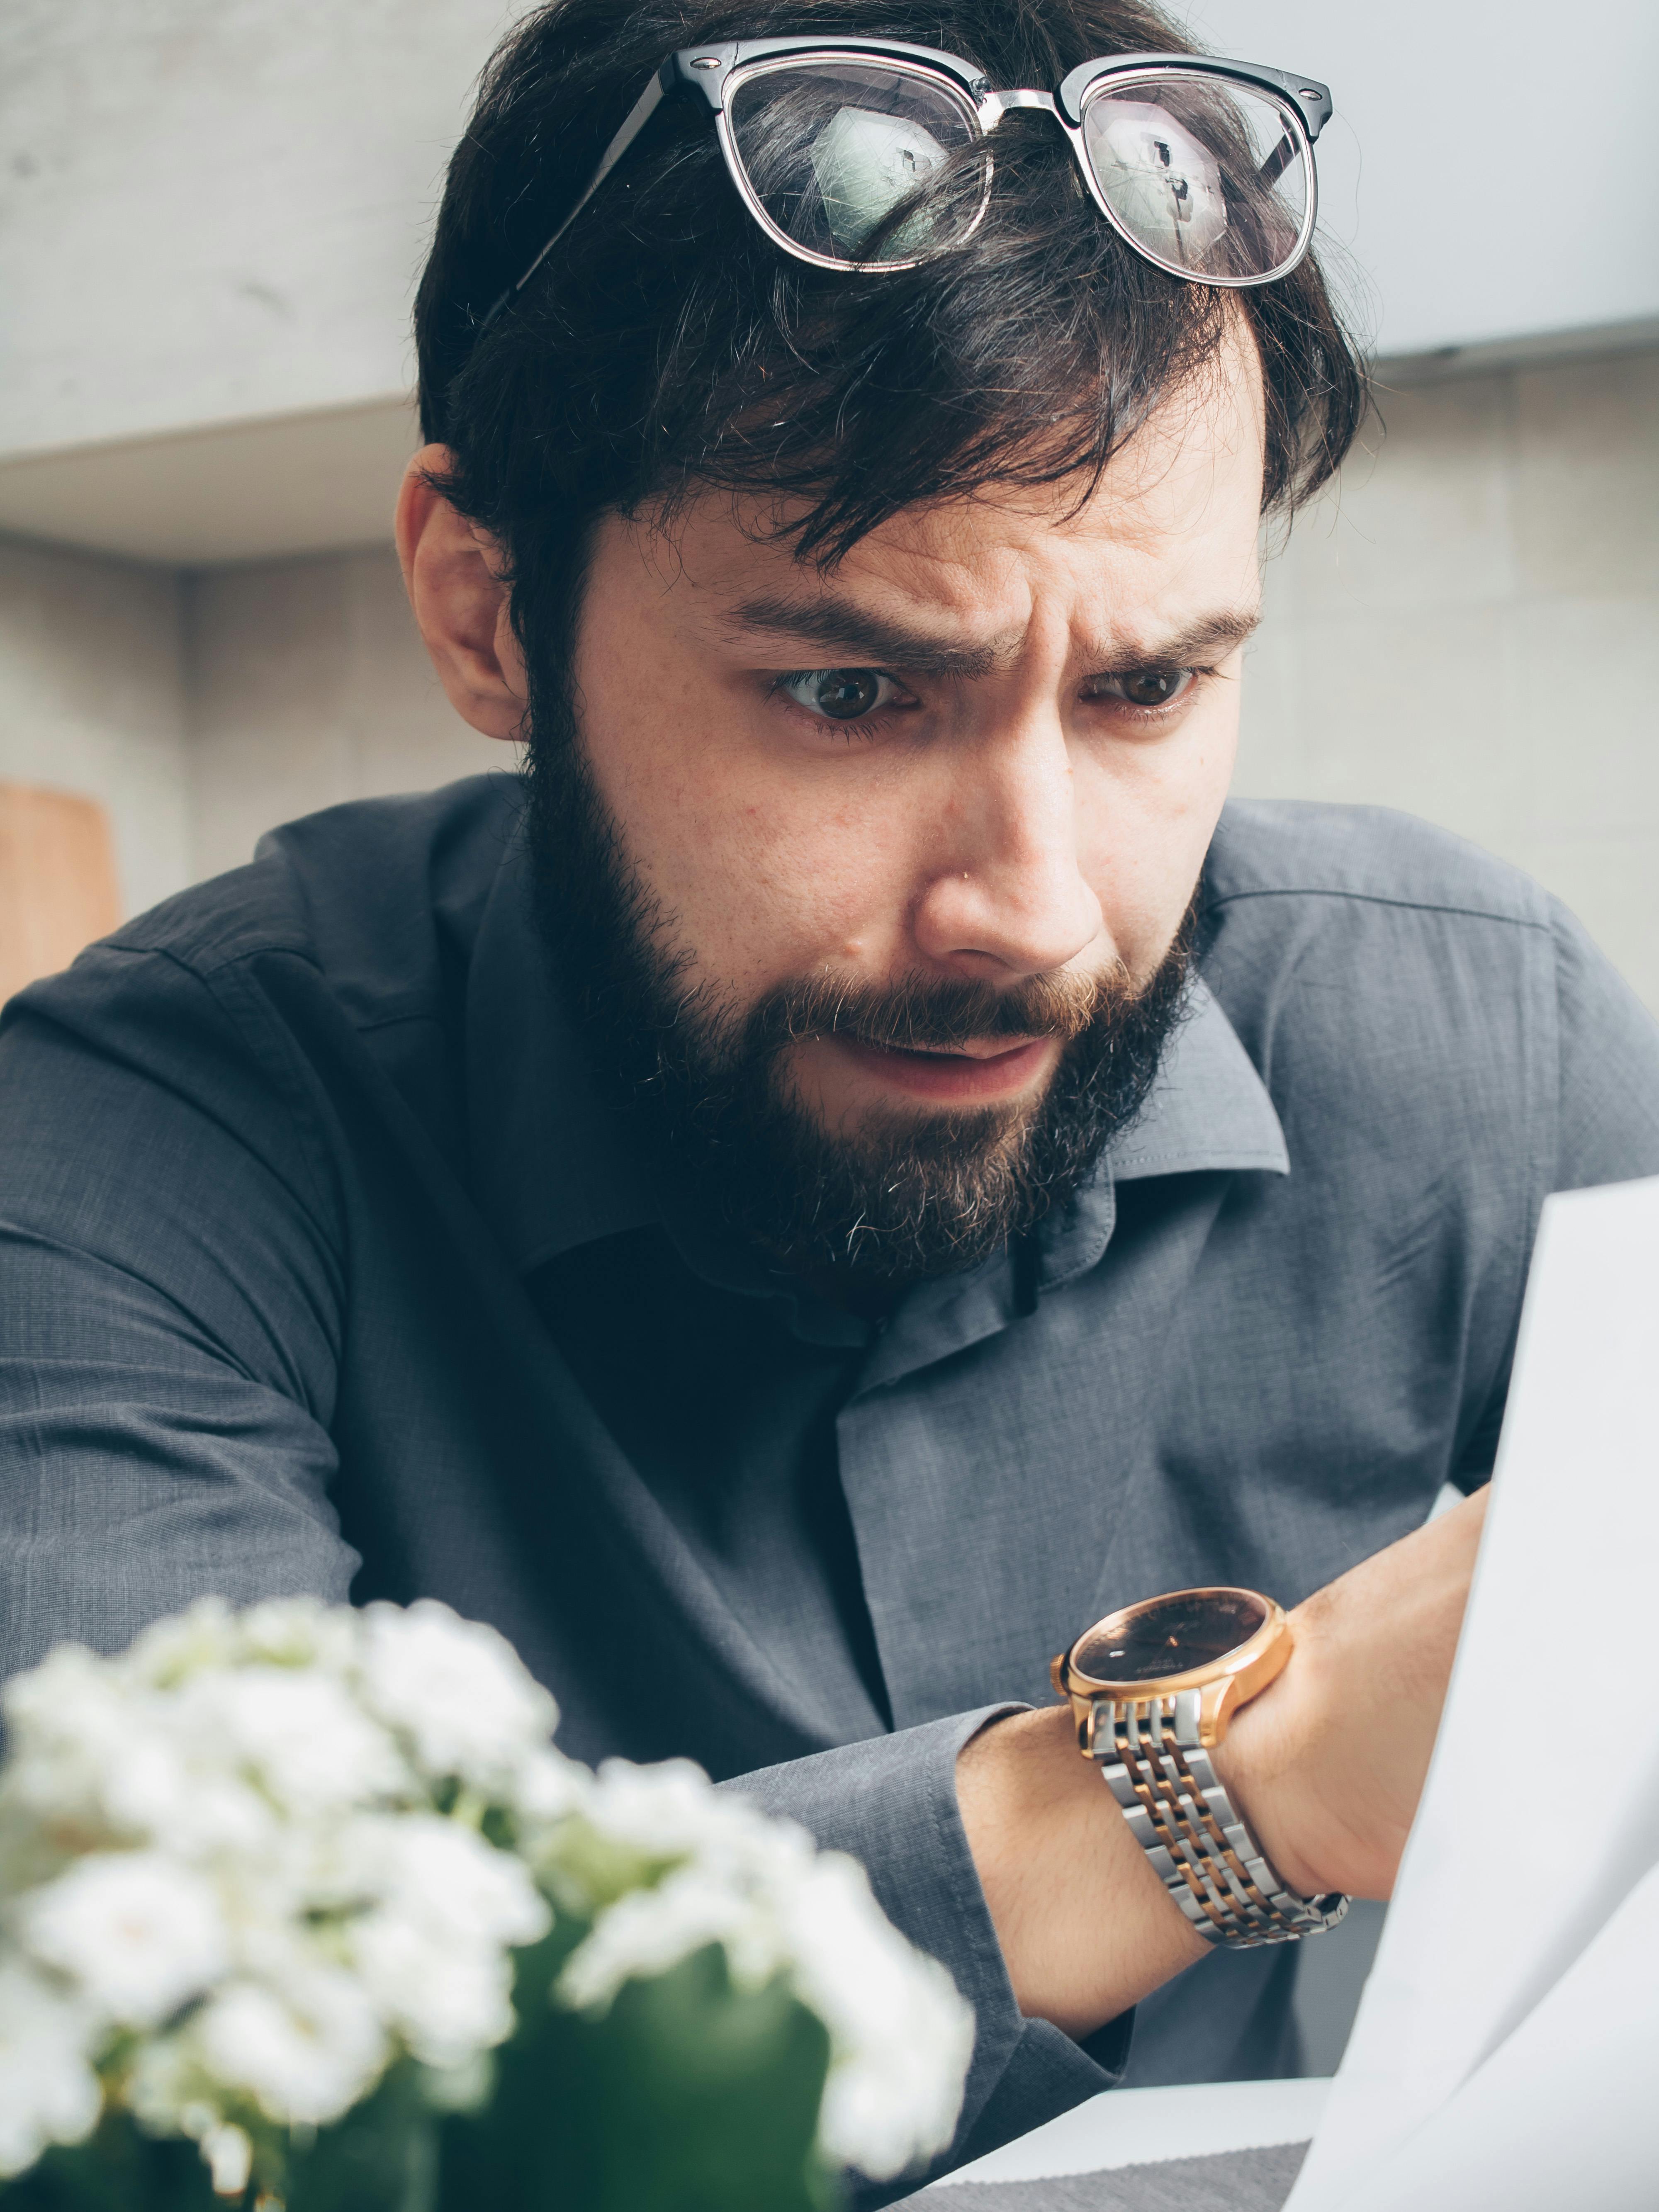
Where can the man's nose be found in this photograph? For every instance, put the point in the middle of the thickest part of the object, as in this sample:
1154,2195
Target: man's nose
1006,895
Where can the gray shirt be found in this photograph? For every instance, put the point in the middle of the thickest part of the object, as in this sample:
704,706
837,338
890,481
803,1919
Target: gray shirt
321,1269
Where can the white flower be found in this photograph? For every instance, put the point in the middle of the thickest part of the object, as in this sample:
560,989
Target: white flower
243,1843
203,1637
900,2033
229,2155
166,2089
301,1632
648,1930
458,1689
459,1884
139,1933
669,1810
304,2057
448,2003
434,1955
546,1788
301,1735
166,1784
67,1719
48,2090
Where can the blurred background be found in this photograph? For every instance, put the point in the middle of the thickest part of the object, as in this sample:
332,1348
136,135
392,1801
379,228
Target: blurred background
211,215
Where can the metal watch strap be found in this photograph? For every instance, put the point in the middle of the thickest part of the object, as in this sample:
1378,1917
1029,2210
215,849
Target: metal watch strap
1151,1760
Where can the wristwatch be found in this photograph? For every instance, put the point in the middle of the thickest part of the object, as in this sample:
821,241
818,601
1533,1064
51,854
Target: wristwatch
1153,1688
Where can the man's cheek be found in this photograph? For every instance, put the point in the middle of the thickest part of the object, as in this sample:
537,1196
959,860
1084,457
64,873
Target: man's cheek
802,889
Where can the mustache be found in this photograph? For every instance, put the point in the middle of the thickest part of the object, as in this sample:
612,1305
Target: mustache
941,1013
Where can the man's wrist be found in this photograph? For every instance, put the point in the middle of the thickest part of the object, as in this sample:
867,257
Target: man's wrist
1257,1764
1086,1927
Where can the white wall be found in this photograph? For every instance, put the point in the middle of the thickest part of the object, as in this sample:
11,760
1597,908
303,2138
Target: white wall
309,685
92,700
1490,164
1465,627
214,209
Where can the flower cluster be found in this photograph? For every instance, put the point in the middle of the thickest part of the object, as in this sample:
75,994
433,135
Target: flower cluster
900,2035
244,1869
260,1857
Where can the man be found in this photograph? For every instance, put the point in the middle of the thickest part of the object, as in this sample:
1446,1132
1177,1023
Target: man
867,1168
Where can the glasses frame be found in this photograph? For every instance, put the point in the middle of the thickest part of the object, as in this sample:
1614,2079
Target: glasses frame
712,70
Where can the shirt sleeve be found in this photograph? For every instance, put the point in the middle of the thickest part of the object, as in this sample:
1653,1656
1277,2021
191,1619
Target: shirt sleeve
892,1804
1609,1068
166,1366
1607,1111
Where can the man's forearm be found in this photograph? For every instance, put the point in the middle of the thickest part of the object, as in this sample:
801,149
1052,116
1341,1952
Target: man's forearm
1326,1767
1086,1927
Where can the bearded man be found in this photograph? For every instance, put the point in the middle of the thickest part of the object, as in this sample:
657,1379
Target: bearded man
858,1163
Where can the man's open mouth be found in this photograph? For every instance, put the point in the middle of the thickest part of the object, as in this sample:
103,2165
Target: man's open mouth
981,1069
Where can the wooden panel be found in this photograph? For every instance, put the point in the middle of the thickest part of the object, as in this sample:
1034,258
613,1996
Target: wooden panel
57,889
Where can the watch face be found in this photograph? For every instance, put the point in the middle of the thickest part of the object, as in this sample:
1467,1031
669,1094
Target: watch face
1169,1636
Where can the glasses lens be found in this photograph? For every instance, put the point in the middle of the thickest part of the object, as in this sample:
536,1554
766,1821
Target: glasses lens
858,162
1209,178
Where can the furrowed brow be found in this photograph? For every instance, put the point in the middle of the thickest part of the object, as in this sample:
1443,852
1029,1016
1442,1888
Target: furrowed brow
1212,637
861,639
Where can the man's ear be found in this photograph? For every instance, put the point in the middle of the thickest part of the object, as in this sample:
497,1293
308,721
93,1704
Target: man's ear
450,571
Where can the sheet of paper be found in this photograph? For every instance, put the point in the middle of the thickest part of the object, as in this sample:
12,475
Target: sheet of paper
1563,2113
1541,1816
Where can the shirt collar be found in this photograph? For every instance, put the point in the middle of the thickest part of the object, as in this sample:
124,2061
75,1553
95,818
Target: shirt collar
1207,1106
1208,1109
551,1172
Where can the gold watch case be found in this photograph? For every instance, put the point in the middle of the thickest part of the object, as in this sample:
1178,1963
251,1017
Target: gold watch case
1222,1684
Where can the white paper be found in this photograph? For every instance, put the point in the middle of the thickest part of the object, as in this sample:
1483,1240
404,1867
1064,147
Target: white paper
1564,2114
1498,2033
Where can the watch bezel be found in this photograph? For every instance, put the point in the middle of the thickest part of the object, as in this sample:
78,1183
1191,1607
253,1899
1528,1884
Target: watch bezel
1242,1673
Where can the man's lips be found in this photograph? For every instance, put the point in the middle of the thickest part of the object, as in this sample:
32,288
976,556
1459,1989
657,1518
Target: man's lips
978,1073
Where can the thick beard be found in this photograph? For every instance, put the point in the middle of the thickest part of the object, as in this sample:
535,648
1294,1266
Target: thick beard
702,1087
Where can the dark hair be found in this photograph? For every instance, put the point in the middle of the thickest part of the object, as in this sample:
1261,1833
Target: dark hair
666,343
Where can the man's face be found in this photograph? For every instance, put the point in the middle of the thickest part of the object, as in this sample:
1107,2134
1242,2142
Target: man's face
990,745
869,884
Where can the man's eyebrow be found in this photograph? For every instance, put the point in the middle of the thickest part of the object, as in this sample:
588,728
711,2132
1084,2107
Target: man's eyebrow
1210,637
839,627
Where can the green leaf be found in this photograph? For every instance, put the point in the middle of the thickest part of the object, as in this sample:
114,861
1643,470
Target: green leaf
690,2095
381,2157
119,2169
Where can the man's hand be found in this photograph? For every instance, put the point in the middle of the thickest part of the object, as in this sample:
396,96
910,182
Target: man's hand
1327,1766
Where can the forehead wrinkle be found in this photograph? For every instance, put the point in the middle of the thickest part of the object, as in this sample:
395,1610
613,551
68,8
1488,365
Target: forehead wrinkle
840,626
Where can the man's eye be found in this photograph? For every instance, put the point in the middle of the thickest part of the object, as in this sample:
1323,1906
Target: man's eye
841,695
1143,687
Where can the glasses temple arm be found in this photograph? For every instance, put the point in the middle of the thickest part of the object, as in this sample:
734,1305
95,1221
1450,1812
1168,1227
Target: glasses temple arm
638,116
1277,162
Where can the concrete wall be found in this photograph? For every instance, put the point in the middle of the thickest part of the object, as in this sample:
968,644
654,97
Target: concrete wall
215,208
212,209
1465,627
92,700
309,685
